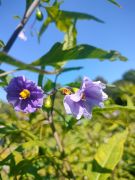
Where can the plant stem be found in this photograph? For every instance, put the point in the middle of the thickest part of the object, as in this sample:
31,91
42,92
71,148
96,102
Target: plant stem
61,149
41,77
56,135
19,28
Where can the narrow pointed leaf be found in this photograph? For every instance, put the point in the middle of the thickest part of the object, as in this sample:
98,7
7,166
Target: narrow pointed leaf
55,13
1,44
114,2
44,26
81,16
64,19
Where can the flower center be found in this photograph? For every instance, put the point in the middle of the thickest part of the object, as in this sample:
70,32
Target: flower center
66,91
24,94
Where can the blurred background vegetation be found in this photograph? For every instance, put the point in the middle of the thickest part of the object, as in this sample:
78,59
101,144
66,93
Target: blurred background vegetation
29,151
97,149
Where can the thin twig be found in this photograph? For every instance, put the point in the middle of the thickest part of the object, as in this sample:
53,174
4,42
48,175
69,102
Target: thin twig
61,149
8,72
54,95
19,28
56,135
23,66
41,77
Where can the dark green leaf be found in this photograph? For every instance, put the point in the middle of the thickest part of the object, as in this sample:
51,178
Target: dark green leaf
64,19
1,44
84,51
81,16
114,2
17,17
48,85
3,84
57,14
44,26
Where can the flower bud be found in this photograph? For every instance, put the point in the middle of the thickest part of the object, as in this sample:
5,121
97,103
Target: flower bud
39,15
48,102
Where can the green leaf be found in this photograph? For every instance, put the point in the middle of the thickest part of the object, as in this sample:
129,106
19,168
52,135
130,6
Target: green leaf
84,51
70,40
81,16
108,155
2,84
44,26
113,108
1,44
21,65
4,78
57,14
17,17
64,19
8,129
114,2
48,85
62,22
70,37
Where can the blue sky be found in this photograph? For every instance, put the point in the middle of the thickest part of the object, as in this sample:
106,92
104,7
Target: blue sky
116,34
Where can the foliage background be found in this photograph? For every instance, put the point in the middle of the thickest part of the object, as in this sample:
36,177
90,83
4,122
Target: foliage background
97,149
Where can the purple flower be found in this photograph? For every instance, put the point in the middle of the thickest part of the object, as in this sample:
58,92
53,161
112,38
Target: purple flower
89,95
24,95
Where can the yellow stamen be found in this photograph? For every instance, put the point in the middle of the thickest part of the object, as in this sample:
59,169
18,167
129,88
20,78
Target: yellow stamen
25,94
66,91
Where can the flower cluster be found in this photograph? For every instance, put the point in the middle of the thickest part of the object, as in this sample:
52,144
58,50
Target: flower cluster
26,96
89,95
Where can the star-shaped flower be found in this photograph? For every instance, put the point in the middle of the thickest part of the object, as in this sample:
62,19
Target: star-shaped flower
24,95
89,95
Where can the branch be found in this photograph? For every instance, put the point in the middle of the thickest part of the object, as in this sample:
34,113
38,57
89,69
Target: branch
21,25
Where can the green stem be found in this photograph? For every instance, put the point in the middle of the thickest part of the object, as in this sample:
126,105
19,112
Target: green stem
61,148
41,77
56,135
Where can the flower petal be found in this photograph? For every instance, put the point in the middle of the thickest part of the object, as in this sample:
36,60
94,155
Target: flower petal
72,107
30,103
77,96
